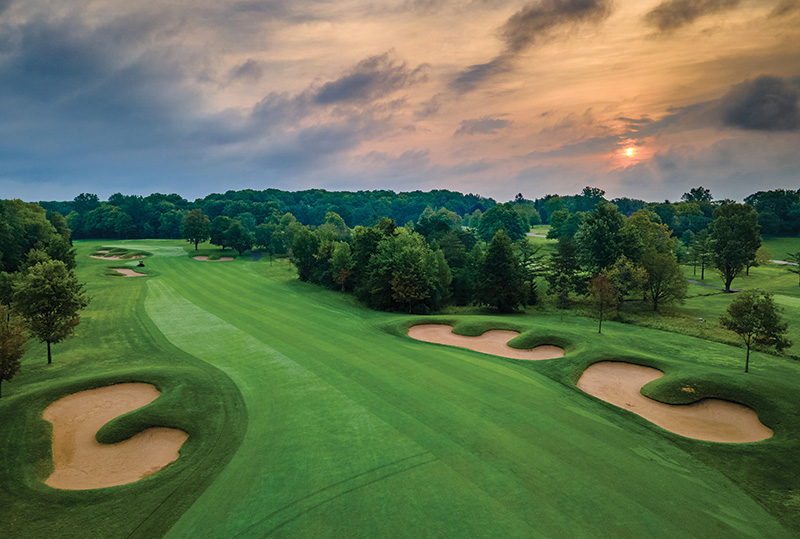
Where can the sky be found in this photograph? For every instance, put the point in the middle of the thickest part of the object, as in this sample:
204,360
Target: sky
643,99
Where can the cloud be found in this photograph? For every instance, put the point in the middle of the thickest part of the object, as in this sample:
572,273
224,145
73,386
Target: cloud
4,5
765,103
429,108
529,25
373,77
670,15
250,71
482,126
783,8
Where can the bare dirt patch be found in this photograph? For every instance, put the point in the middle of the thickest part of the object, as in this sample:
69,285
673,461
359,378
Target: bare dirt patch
103,251
492,342
81,462
714,420
127,272
220,259
134,257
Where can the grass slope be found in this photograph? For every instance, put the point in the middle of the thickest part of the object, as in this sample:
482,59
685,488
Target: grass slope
355,430
358,432
116,342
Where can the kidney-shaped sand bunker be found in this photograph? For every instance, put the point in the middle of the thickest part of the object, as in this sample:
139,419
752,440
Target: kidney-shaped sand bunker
714,420
494,342
81,462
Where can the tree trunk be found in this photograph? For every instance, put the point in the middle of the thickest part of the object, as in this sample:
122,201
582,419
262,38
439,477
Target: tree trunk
747,361
1,387
702,270
195,245
600,329
49,356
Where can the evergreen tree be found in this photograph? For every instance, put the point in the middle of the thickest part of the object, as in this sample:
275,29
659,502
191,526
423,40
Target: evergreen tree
563,272
500,283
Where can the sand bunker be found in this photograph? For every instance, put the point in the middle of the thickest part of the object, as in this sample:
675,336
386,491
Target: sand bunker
81,462
492,342
134,257
127,272
220,259
714,420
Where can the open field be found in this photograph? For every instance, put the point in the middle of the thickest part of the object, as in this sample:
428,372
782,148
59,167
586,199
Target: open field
309,415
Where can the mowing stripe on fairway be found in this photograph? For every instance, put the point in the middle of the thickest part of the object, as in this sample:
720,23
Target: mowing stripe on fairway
333,400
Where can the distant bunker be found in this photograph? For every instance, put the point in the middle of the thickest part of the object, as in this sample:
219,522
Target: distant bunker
81,462
105,257
494,342
127,272
220,259
713,420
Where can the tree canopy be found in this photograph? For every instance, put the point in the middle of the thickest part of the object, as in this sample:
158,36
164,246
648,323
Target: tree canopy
756,319
49,297
195,227
735,238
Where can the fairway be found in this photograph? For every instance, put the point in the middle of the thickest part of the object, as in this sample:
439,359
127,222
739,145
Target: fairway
309,415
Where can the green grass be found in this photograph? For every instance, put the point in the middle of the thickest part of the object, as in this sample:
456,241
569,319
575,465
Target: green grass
779,247
355,430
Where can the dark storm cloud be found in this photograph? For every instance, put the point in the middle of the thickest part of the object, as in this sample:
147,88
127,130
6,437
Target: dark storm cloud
766,103
372,78
531,24
783,8
673,14
482,126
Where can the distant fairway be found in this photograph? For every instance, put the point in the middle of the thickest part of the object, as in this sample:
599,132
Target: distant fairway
311,416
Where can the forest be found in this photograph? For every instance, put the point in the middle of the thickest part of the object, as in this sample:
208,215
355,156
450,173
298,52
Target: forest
420,251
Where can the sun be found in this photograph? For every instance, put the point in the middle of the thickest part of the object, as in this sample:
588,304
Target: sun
630,152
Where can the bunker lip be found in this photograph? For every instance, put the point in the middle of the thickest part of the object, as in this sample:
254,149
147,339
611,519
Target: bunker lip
492,342
134,257
81,462
128,272
713,420
220,259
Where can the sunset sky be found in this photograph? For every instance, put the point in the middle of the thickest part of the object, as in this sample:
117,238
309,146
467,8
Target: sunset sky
643,99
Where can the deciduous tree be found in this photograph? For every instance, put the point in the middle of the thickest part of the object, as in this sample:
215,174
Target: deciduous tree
794,263
12,343
195,227
756,319
735,238
238,237
603,299
49,297
665,281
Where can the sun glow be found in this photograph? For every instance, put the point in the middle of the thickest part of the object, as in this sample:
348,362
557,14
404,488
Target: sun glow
630,152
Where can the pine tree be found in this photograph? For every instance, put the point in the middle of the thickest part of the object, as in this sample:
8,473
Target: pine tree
500,282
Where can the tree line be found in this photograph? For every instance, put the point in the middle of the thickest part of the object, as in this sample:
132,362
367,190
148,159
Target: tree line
160,215
40,294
